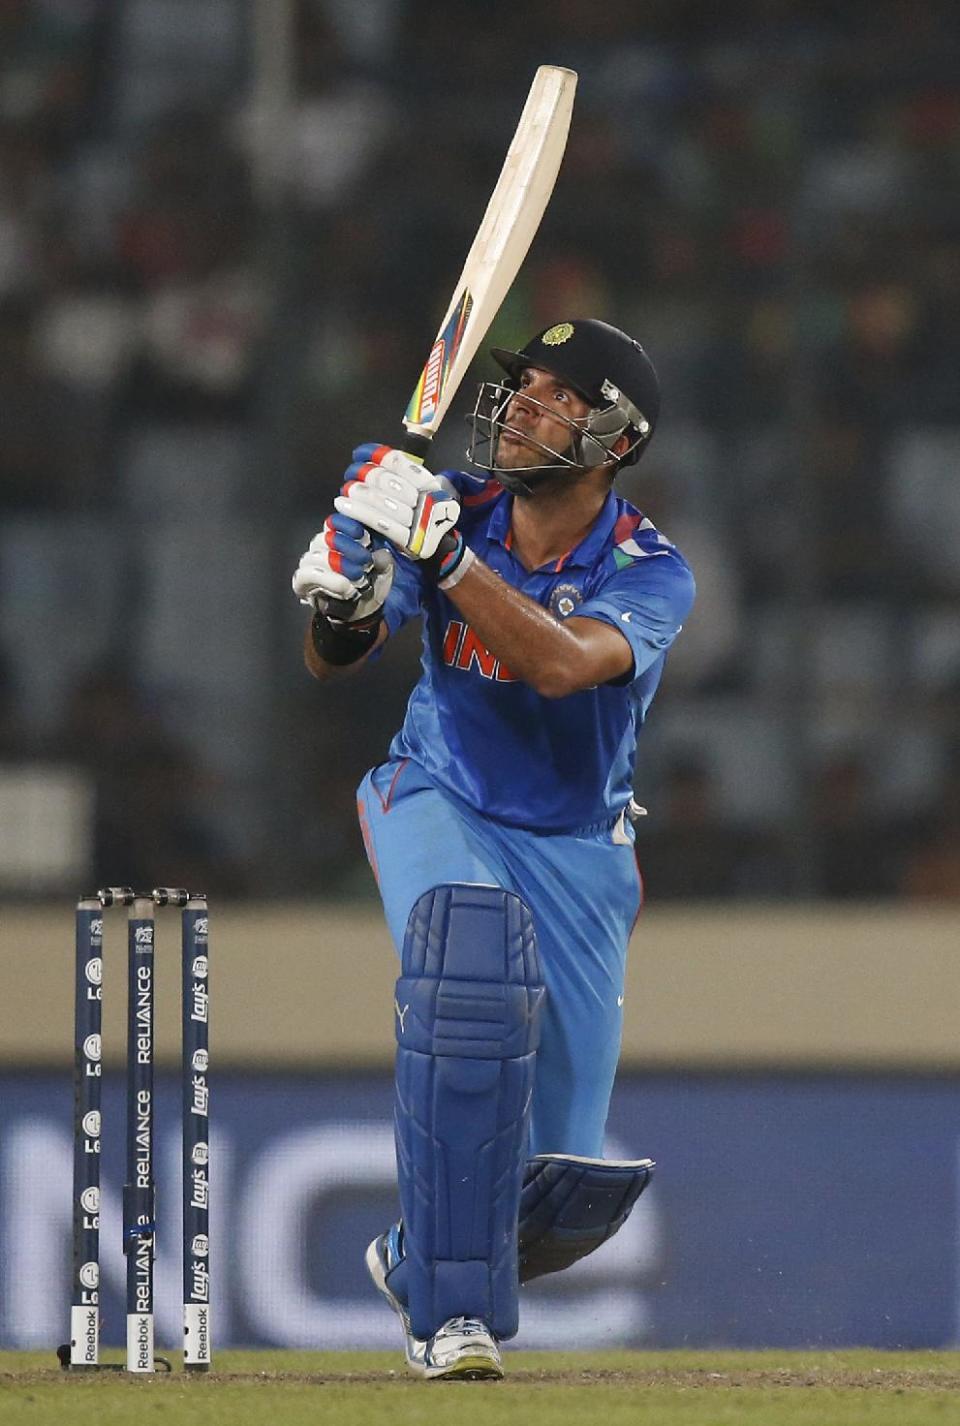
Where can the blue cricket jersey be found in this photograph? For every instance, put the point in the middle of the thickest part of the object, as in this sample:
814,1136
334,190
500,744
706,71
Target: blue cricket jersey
546,764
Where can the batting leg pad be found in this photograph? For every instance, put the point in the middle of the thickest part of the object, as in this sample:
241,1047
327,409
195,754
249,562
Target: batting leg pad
468,1005
570,1206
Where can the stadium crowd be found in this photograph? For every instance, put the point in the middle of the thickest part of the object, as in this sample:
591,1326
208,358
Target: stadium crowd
200,315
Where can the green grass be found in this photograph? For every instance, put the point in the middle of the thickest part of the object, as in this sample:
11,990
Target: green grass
369,1388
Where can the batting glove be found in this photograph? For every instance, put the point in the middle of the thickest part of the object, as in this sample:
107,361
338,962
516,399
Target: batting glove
393,495
341,567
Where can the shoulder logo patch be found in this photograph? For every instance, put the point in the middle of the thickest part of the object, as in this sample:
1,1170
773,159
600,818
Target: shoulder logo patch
564,599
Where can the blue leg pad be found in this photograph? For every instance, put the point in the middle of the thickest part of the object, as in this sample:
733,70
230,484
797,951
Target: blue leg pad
468,1003
570,1206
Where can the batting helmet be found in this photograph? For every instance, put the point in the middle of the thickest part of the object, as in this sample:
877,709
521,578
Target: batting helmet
605,366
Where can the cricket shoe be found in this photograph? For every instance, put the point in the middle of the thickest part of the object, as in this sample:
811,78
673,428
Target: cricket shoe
464,1349
382,1256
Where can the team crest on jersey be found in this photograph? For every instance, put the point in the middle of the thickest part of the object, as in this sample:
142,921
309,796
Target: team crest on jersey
564,600
556,336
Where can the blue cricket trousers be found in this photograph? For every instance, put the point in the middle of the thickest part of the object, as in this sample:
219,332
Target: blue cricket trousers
584,893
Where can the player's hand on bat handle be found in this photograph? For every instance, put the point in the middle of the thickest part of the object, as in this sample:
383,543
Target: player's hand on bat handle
393,495
342,574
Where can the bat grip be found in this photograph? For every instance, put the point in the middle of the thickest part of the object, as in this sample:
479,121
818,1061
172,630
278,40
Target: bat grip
413,444
416,445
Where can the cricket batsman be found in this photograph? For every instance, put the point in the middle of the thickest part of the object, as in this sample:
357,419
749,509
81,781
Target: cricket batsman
499,825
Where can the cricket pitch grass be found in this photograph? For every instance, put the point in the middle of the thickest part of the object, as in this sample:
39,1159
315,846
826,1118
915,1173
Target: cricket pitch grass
773,1388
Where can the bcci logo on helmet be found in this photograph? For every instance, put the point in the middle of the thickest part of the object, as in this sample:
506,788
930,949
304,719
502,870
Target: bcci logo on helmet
556,336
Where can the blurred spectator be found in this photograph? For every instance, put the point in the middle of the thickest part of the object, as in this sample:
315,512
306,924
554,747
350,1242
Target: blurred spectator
50,52
21,174
688,849
186,239
339,123
923,505
35,458
152,825
932,869
13,742
854,858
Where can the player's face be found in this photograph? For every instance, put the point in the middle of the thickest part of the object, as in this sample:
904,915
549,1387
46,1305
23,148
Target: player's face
540,409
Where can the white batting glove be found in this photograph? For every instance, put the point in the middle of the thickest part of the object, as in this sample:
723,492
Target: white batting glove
342,572
395,496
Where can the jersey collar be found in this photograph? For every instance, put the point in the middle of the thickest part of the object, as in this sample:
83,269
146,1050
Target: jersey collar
584,554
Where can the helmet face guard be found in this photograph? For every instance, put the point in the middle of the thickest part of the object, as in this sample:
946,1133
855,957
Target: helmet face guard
604,366
592,437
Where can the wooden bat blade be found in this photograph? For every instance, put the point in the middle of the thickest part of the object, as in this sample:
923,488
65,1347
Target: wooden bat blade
503,239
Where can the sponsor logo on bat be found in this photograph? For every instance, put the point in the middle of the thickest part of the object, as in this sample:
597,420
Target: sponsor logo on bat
426,398
433,375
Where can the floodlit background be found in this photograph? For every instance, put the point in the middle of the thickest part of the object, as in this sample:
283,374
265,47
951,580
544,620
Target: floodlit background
228,229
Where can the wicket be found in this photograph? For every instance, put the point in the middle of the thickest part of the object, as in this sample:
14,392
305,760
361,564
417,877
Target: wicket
139,1193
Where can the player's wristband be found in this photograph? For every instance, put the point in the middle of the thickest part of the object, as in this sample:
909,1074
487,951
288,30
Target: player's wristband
451,561
340,644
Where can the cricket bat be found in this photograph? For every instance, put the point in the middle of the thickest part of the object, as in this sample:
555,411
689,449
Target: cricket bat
503,239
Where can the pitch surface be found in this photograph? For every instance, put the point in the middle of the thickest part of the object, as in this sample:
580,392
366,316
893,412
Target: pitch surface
862,1388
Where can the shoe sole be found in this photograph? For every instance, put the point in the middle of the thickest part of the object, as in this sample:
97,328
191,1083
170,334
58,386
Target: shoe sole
469,1368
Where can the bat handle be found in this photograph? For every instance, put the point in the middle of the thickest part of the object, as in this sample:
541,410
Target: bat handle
413,444
416,445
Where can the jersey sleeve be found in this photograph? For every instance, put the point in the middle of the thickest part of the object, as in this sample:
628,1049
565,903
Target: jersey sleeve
647,601
403,601
467,485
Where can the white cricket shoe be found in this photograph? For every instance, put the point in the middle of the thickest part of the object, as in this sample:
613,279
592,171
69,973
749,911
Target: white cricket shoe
383,1254
464,1349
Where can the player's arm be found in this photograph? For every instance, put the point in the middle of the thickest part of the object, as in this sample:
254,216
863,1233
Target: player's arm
342,571
417,512
555,658
627,623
